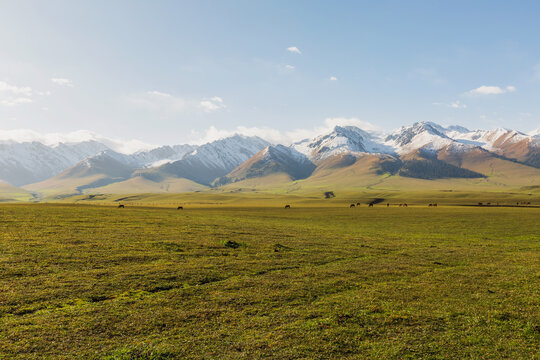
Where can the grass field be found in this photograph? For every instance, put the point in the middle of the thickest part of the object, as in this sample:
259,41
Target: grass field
96,282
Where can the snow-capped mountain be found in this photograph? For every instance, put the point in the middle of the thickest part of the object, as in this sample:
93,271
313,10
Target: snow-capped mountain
493,140
240,157
24,163
276,159
215,159
427,136
162,155
343,139
150,158
508,143
29,162
102,164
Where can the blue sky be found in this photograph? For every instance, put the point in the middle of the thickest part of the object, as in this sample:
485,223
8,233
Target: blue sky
168,71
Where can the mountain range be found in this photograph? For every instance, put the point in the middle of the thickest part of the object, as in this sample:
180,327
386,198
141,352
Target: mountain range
417,155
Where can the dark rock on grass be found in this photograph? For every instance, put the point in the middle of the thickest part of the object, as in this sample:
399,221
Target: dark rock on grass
232,244
280,248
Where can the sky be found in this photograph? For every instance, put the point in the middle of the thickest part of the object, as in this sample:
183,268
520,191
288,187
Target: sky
170,72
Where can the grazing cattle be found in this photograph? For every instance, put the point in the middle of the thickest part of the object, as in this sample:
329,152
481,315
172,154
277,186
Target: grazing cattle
287,206
387,204
329,194
430,205
180,208
370,205
480,204
435,204
351,206
357,204
404,204
121,206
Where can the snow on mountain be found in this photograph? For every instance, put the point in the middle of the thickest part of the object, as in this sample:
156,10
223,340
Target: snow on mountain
227,153
102,165
423,135
75,137
215,159
343,139
272,160
29,162
492,140
161,155
141,159
284,155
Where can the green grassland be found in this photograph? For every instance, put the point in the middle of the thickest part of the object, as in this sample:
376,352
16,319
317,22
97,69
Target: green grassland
313,197
221,282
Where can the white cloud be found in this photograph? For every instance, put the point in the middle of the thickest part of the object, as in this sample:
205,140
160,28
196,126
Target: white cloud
294,50
212,104
53,139
159,101
455,105
12,95
14,101
62,82
333,78
159,93
289,67
278,137
16,90
491,90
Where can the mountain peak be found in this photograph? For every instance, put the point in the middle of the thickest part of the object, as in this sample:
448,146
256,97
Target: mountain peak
342,139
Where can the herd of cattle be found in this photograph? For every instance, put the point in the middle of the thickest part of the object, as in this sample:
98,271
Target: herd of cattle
370,204
387,204
121,206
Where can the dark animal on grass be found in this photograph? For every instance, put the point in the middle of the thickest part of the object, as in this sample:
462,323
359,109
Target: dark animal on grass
430,205
121,206
351,206
387,204
370,205
435,204
329,194
357,204
405,205
180,208
287,206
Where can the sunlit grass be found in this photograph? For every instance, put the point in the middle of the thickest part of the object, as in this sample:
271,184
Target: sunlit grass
99,282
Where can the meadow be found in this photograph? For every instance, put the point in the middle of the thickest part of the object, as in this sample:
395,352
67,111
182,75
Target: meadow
219,282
